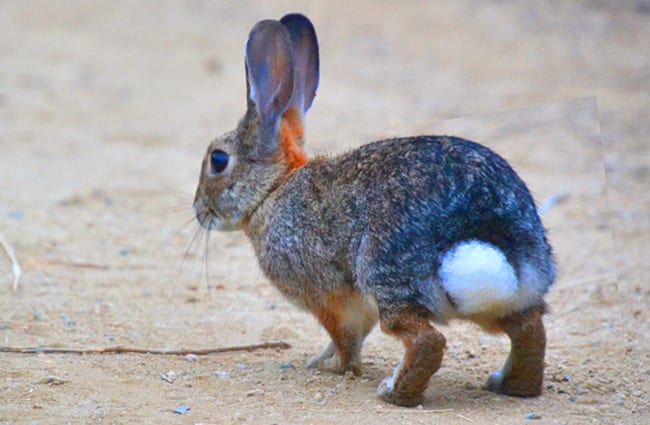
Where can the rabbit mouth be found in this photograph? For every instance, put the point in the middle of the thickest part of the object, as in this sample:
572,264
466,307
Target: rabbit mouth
211,220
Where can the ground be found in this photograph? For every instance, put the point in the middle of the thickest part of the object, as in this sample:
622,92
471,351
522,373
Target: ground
106,109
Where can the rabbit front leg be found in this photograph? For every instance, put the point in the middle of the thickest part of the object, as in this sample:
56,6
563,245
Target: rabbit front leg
348,318
327,353
523,373
424,350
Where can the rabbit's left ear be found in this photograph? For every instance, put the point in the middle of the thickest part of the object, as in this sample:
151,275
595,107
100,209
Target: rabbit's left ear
304,47
269,71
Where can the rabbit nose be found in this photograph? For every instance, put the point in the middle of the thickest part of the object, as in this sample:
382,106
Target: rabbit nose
200,212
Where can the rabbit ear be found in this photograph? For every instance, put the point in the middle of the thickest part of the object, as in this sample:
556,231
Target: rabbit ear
304,46
269,71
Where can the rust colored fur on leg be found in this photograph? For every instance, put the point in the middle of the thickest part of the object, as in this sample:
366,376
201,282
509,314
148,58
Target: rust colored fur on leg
291,139
523,373
424,350
348,319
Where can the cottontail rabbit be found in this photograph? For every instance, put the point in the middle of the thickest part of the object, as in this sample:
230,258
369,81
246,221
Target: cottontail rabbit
405,231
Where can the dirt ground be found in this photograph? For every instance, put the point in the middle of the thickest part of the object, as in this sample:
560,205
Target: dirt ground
106,109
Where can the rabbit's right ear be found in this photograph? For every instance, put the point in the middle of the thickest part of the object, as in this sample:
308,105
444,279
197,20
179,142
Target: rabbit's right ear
305,58
269,72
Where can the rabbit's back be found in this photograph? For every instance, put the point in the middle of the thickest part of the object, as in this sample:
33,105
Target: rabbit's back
381,218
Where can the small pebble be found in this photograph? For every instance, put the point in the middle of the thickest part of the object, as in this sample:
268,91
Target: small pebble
255,392
285,365
52,380
222,374
573,399
532,416
181,409
191,357
240,366
68,322
168,376
567,377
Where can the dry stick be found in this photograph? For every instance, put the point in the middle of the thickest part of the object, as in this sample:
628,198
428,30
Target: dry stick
120,350
14,262
58,263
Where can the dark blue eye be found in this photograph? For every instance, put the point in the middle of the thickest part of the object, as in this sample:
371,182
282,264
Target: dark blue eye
218,161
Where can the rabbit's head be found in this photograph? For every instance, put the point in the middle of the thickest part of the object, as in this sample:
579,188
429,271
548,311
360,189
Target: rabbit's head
241,167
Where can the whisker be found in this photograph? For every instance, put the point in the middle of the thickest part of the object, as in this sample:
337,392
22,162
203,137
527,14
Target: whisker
206,259
191,244
173,211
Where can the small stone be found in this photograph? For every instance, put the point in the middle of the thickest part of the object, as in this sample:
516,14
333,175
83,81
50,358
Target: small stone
255,392
37,406
573,398
240,366
419,407
191,357
182,409
566,377
285,365
168,376
532,416
470,386
318,396
222,374
52,380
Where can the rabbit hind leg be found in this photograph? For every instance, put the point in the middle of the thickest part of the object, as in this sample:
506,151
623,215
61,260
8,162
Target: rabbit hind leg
523,372
424,350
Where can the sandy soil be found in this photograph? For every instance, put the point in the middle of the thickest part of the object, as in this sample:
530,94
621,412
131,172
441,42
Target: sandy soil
106,109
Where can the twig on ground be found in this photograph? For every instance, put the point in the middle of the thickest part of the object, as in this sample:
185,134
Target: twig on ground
14,262
121,350
465,417
37,264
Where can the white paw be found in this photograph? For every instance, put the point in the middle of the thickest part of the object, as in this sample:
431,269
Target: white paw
327,353
386,387
494,381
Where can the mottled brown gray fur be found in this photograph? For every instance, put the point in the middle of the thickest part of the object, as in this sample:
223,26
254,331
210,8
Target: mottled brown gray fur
358,238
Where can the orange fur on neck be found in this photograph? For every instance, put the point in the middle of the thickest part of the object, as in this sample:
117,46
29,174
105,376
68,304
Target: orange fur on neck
290,139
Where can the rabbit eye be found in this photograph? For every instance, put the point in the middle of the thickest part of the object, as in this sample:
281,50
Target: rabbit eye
218,161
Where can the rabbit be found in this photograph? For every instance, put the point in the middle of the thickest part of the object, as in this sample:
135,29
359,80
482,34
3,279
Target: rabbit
406,232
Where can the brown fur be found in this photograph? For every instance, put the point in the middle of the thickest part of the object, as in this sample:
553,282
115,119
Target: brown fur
424,350
348,319
523,373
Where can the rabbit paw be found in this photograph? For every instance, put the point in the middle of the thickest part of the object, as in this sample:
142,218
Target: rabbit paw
329,361
386,391
497,382
326,354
